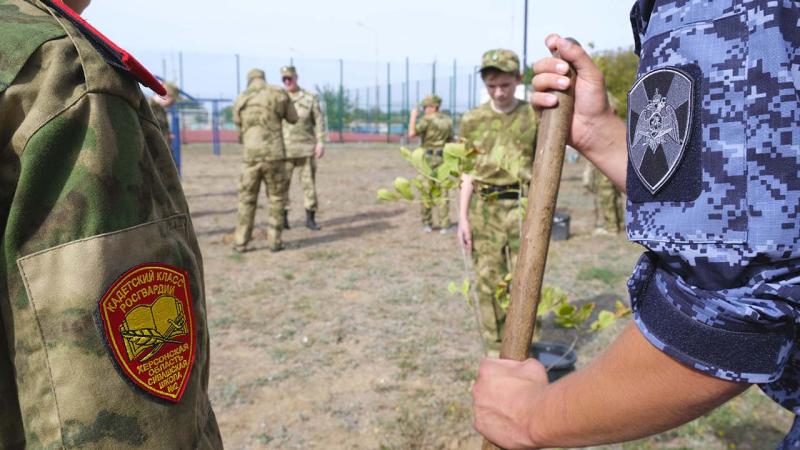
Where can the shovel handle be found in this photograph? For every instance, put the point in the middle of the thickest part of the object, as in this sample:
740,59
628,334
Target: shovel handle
526,287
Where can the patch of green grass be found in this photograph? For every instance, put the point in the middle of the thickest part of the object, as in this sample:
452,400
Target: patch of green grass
602,274
322,255
287,275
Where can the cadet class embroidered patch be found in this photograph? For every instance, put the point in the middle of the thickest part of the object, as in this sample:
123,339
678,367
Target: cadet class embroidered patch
659,121
147,320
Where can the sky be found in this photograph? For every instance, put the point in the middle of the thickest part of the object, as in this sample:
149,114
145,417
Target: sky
366,35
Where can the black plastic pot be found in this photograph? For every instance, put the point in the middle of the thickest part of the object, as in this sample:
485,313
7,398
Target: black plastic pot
560,230
556,356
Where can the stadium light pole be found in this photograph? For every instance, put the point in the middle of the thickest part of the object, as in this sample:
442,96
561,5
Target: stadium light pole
525,41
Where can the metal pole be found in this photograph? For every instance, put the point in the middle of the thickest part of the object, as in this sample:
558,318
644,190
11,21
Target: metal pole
433,83
475,86
215,126
340,108
175,126
453,101
407,105
238,75
417,98
368,107
164,68
388,101
180,70
525,41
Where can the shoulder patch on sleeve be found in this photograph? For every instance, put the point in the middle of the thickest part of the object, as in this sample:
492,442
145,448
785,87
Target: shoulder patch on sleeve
23,29
146,316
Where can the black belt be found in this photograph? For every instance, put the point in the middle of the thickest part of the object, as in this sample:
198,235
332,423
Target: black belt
434,152
507,192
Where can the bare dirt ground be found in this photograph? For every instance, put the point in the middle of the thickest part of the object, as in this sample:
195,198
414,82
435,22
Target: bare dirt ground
349,339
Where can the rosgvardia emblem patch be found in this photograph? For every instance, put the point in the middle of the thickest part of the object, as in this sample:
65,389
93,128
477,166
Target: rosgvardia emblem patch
659,122
147,320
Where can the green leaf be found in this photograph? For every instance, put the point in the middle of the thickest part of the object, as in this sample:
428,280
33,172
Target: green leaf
604,320
465,287
405,153
386,196
452,287
403,187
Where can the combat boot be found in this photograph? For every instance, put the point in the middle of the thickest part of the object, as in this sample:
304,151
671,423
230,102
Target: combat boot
285,219
311,224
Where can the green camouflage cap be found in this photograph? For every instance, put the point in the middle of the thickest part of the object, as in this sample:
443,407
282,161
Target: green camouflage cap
255,73
501,59
288,71
432,100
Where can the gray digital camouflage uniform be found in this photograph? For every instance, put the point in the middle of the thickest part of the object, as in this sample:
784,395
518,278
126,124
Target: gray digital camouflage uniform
88,192
259,113
713,189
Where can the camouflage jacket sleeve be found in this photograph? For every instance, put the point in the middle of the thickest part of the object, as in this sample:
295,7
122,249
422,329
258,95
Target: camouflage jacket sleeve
160,116
422,124
319,121
288,111
95,194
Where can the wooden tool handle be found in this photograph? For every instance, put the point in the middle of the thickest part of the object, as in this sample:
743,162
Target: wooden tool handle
526,287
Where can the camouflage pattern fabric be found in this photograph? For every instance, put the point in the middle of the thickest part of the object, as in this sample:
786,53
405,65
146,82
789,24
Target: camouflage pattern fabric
308,177
719,289
434,130
88,190
495,245
608,200
160,115
504,143
505,146
259,113
302,137
441,204
273,175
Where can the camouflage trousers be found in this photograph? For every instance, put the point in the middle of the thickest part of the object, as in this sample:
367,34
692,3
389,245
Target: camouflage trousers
440,203
273,175
308,178
610,204
495,244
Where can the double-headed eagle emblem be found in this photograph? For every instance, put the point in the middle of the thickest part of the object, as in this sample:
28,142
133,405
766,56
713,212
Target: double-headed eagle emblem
657,123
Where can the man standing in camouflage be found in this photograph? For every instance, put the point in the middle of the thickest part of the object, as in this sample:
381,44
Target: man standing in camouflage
435,129
95,232
305,143
502,132
159,105
259,113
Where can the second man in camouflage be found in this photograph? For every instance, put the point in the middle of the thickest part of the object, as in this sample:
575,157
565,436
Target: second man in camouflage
305,143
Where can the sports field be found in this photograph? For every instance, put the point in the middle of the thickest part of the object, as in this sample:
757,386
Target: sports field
349,339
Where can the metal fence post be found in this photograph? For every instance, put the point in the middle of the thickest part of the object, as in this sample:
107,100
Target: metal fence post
388,101
215,126
407,104
180,70
238,75
175,126
340,108
453,97
433,82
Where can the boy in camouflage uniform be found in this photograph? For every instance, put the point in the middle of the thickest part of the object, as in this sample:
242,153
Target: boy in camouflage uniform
89,198
503,132
259,113
435,129
709,160
305,143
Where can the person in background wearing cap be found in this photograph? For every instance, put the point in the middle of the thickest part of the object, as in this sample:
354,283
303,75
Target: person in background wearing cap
305,143
99,251
435,129
259,113
159,104
503,132
709,161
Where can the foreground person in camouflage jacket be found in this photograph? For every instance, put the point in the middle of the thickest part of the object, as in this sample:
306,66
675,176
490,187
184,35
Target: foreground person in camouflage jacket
711,172
104,340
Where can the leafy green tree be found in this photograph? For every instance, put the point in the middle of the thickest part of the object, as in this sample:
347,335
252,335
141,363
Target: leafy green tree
329,97
619,68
